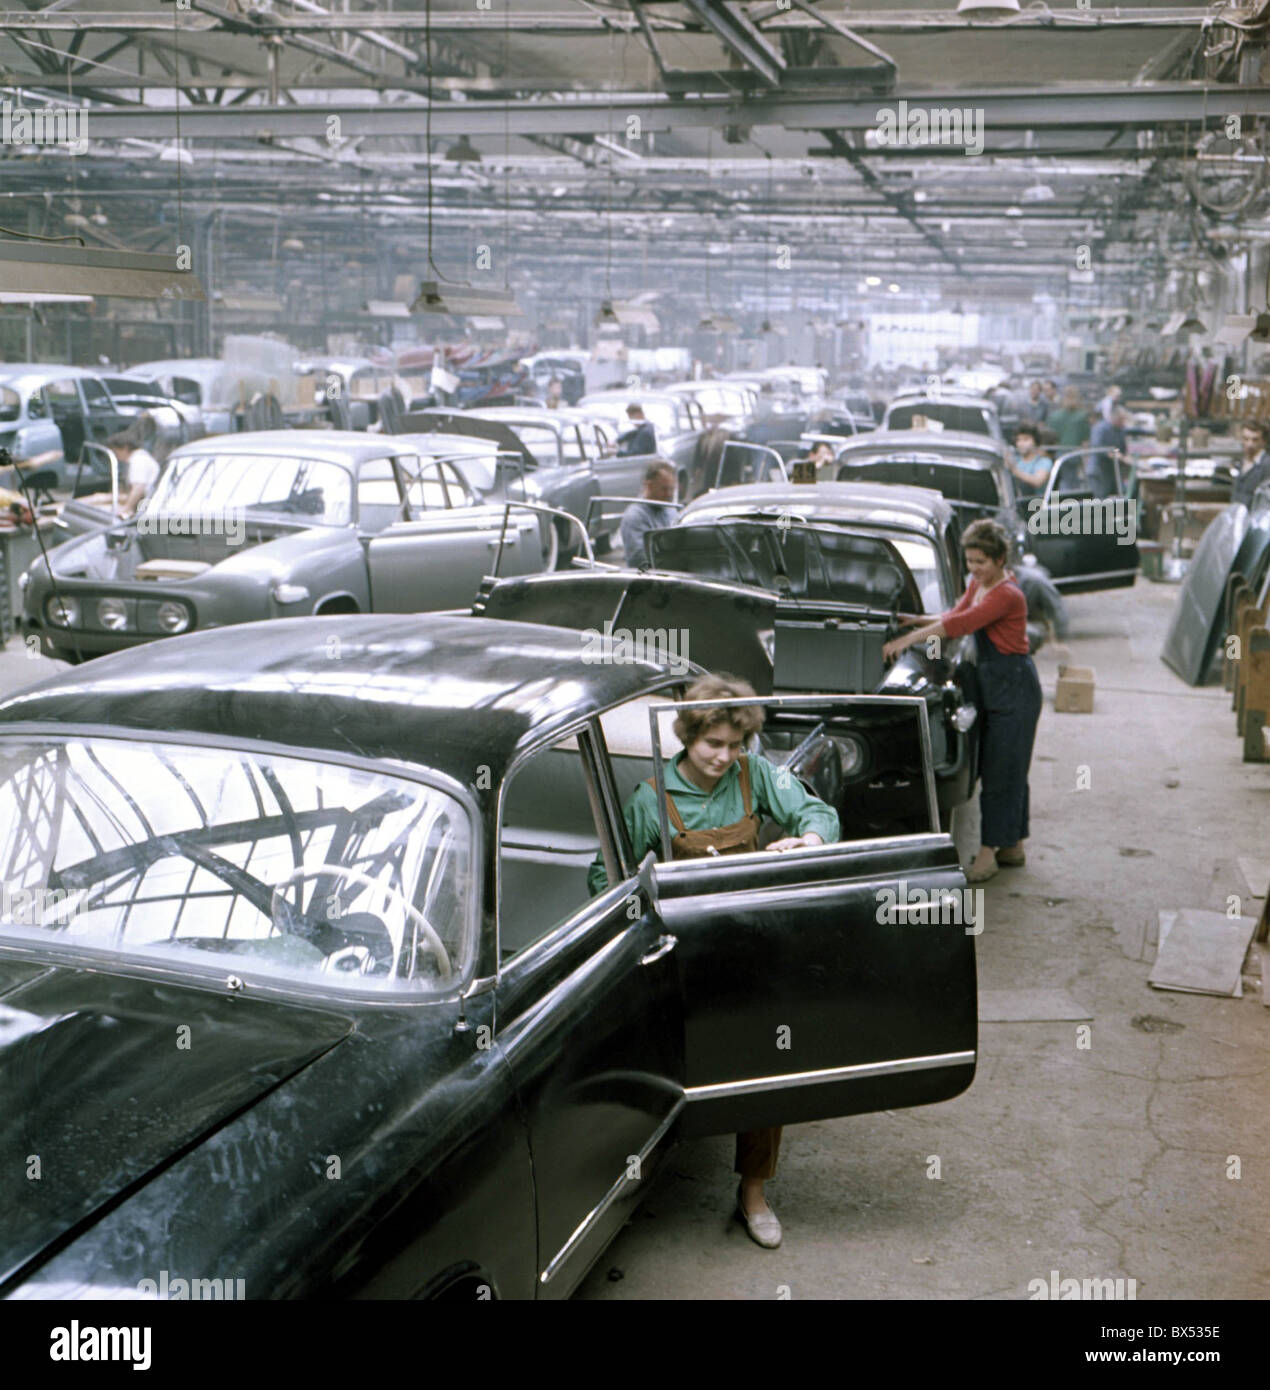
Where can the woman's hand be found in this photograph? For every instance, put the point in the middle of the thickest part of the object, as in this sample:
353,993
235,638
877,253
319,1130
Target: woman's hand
894,647
911,619
795,842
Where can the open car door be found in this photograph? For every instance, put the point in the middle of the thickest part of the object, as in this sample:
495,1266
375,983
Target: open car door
1083,529
829,980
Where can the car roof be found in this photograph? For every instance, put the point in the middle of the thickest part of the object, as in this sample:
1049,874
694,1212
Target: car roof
339,446
456,694
925,442
854,501
44,371
948,396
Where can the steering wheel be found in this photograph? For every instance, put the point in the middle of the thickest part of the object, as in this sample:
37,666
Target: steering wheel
431,939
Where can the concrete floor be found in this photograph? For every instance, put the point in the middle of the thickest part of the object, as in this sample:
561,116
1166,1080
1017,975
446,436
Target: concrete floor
1100,1163
1104,1162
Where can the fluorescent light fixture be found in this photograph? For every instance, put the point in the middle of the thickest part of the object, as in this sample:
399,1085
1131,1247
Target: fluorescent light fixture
616,312
460,300
872,281
31,299
386,309
32,267
987,8
486,323
893,288
1014,210
1038,193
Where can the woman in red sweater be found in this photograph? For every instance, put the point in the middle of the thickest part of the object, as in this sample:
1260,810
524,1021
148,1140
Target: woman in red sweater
995,610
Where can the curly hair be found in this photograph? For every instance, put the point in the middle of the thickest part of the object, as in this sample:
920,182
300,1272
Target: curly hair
990,537
693,724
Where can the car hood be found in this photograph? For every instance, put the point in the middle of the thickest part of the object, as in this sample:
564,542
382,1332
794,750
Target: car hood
103,1089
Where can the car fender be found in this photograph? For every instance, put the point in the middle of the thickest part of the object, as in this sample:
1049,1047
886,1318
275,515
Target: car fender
326,560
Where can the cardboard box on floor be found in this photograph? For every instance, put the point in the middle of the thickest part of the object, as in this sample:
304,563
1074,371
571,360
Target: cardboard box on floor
1074,693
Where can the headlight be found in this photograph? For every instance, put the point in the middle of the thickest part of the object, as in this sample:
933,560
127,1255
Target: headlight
963,717
62,612
112,614
290,593
173,617
852,752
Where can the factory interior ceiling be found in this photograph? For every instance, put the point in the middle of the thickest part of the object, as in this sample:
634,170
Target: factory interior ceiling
617,148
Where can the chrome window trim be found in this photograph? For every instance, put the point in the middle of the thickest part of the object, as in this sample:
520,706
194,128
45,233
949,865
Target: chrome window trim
827,1076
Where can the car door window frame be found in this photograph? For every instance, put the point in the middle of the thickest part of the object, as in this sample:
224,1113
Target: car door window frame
916,702
615,854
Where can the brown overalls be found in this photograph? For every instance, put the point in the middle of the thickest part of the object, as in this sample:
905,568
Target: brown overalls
756,1150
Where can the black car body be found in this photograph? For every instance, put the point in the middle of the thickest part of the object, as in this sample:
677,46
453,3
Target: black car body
796,588
971,472
338,1017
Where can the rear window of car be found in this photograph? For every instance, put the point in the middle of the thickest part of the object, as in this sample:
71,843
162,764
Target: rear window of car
254,864
967,418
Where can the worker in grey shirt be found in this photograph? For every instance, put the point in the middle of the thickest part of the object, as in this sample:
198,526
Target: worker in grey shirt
654,511
1256,462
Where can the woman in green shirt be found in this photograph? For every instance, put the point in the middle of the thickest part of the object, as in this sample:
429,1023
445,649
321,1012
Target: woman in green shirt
717,797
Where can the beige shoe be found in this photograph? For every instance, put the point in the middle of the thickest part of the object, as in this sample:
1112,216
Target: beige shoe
1011,858
974,875
763,1228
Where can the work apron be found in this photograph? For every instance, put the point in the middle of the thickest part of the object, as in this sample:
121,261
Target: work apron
1009,707
757,1149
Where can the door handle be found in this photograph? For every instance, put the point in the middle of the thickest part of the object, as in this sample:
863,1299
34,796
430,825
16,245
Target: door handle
513,538
664,946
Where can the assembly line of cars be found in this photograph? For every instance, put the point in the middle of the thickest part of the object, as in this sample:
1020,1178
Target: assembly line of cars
351,843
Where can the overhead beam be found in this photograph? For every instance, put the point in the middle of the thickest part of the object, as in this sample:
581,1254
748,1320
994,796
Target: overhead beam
740,36
844,151
1097,107
579,22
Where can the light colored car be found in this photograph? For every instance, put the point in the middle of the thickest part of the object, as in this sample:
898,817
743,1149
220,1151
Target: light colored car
728,403
563,452
678,420
219,389
276,524
57,411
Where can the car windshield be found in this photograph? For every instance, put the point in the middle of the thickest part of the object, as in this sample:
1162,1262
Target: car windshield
122,387
797,561
318,492
10,404
969,419
717,400
542,443
956,482
247,862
